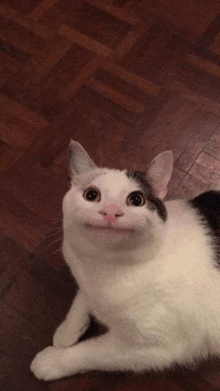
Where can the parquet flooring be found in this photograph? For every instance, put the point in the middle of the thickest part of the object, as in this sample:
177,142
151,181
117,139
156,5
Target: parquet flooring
128,79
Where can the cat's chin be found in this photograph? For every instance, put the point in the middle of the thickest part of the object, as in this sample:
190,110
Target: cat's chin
109,232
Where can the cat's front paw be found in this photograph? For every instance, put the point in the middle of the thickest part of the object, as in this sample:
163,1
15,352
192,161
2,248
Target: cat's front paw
47,365
63,338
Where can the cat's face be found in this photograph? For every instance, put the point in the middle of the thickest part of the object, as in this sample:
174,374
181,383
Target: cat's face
105,204
108,205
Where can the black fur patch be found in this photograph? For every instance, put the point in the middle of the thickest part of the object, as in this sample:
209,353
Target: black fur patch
155,203
208,206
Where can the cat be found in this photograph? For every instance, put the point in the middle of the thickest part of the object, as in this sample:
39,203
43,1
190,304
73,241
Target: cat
146,269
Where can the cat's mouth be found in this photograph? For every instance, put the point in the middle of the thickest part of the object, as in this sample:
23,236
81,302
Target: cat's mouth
108,230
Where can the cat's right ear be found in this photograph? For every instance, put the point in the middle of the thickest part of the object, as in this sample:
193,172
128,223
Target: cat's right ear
79,160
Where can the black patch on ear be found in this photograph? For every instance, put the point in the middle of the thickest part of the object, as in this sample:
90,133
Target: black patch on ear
208,206
155,203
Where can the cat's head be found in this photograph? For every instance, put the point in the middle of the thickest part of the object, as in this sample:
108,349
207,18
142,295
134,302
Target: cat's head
115,205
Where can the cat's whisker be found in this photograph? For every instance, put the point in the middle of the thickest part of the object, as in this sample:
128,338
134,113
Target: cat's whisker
57,240
57,232
52,223
47,245
56,252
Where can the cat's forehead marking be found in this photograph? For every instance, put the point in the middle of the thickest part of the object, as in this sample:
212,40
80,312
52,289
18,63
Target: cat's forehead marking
139,177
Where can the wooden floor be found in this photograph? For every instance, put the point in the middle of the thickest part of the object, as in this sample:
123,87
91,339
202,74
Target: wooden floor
127,79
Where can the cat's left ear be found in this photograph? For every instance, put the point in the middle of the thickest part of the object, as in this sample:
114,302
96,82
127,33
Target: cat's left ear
79,160
159,173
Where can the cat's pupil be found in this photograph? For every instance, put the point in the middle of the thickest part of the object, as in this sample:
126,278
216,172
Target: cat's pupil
136,199
91,195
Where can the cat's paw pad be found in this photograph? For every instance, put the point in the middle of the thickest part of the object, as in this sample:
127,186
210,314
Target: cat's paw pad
47,365
62,338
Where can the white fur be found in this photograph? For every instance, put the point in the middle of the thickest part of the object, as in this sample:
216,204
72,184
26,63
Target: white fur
158,291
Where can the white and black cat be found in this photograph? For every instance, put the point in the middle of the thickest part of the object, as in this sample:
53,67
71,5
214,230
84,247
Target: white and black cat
146,269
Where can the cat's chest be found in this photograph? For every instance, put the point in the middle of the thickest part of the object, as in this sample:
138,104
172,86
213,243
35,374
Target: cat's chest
117,293
107,287
114,301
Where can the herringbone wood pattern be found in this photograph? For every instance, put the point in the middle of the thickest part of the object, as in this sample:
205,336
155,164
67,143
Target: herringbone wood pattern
128,79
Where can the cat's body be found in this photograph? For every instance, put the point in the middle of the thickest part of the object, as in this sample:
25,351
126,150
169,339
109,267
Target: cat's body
148,270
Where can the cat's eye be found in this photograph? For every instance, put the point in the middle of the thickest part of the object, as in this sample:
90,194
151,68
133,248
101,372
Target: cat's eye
92,194
136,199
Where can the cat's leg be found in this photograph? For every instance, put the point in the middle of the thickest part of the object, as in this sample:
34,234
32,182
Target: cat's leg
75,324
101,353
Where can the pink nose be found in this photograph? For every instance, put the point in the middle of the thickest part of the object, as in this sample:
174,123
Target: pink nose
111,213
